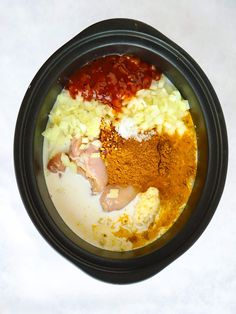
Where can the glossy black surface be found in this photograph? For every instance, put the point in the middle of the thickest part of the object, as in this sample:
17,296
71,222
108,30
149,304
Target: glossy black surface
122,36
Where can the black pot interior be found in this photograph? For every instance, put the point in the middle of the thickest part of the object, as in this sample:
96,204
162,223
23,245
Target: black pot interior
53,82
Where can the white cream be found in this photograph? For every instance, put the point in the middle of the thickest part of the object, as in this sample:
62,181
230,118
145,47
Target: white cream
81,211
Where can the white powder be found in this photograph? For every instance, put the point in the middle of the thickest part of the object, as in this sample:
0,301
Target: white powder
127,128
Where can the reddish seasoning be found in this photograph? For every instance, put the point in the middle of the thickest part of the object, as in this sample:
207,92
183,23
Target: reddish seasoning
111,79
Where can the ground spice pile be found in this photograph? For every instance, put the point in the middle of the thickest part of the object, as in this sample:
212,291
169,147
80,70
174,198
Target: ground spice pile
165,162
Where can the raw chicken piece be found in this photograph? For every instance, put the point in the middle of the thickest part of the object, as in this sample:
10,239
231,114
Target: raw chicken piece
97,174
55,164
115,197
75,150
90,164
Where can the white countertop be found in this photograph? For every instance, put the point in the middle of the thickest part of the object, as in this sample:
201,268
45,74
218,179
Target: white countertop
36,279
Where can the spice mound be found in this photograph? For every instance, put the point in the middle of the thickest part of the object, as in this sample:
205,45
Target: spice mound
120,153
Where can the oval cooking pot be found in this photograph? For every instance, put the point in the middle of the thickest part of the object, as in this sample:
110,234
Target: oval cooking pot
122,36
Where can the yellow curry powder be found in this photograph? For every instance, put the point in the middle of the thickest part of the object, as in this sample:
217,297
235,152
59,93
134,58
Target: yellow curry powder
167,162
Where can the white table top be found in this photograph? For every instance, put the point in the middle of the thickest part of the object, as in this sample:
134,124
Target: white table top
36,279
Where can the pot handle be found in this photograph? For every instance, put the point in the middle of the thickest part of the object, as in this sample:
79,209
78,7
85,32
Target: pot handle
119,24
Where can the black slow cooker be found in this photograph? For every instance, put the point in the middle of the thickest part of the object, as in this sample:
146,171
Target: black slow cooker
122,36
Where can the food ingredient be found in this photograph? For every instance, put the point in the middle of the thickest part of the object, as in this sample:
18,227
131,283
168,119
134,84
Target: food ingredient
121,130
112,79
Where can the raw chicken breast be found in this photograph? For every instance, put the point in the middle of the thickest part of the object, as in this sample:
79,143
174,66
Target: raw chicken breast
90,164
55,164
75,150
115,197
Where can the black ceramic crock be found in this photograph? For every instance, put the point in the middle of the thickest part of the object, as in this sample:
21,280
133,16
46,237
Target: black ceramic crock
122,36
